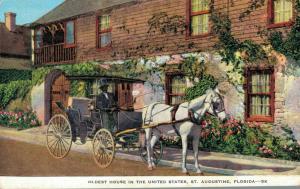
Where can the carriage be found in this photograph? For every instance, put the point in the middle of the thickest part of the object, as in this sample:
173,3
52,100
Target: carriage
80,124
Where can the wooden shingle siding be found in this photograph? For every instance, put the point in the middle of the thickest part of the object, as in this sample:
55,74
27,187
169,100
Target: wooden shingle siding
130,26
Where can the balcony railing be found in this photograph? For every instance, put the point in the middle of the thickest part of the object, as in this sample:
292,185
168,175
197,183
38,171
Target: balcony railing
51,54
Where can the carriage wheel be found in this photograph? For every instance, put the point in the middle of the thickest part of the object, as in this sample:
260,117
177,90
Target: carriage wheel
157,152
59,136
103,148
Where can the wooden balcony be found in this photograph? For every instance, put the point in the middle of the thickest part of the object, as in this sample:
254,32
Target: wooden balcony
54,54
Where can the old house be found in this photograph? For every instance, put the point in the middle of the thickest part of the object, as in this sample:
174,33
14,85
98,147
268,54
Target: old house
15,64
167,32
15,44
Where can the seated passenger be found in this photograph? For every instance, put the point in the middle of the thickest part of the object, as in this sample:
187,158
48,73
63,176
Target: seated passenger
106,103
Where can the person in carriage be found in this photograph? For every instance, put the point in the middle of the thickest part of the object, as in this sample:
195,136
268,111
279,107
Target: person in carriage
107,104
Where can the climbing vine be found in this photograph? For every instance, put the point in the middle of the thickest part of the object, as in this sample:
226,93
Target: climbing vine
288,44
166,24
7,76
228,46
193,67
159,24
253,5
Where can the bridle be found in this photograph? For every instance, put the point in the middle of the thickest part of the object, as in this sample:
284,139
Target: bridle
217,107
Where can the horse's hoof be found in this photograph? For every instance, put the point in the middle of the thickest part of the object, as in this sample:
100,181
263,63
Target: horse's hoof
187,174
200,174
150,168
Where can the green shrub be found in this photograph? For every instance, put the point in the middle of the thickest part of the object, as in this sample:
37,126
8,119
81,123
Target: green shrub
13,90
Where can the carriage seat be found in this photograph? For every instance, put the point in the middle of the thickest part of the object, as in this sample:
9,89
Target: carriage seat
81,105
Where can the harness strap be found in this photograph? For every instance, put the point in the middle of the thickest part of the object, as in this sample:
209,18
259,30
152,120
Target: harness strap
192,117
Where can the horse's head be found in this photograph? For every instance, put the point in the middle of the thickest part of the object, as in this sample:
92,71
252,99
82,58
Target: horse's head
216,104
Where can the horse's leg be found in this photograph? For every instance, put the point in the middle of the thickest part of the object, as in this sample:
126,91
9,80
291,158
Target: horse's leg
149,149
155,138
196,152
184,152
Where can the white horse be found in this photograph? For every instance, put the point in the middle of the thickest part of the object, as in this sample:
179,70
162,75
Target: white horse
188,115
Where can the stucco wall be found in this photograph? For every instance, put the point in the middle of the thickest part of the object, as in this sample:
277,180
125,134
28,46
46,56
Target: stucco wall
37,101
287,89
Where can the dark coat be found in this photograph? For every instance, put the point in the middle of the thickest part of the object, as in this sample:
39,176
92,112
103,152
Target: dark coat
103,102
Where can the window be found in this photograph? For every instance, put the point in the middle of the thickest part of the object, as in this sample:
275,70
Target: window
280,11
104,31
175,88
70,33
39,38
199,17
260,95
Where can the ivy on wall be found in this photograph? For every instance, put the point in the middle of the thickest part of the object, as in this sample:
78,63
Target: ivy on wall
80,88
289,45
14,75
193,67
253,5
228,46
159,24
199,89
164,23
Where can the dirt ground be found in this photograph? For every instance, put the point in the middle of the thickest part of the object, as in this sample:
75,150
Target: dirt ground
23,159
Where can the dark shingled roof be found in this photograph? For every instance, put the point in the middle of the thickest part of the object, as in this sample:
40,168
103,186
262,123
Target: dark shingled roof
71,8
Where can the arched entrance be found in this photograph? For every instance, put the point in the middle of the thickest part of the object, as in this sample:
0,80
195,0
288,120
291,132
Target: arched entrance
57,89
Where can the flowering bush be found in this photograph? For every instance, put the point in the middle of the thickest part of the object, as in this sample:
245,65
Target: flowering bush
20,120
238,137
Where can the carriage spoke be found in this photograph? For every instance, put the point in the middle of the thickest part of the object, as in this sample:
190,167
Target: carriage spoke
60,148
99,157
51,141
55,141
55,148
66,141
63,144
109,151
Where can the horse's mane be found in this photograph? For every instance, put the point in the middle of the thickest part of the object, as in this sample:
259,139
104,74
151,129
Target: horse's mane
198,102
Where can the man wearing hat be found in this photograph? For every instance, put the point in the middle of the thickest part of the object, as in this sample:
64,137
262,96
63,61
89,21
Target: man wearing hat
106,102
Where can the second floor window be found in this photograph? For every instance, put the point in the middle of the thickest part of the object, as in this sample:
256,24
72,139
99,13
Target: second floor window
39,38
282,11
199,20
104,31
70,33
